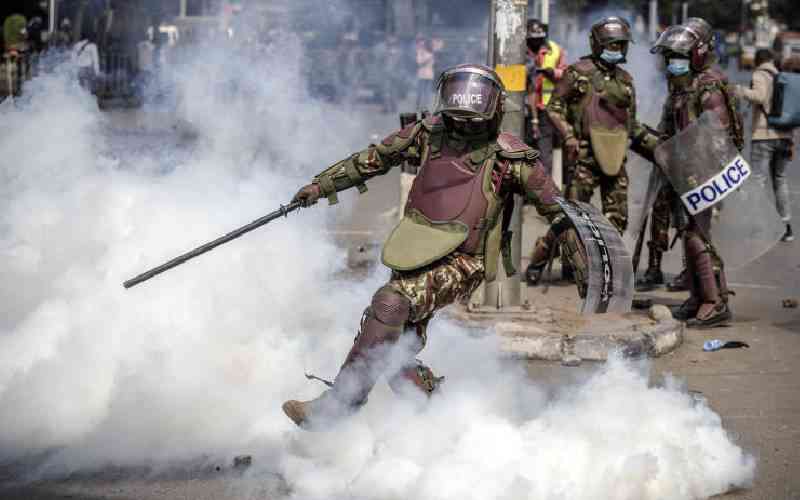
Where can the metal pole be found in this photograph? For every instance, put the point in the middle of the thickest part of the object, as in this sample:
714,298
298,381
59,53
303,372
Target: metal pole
507,41
684,12
653,19
52,13
546,11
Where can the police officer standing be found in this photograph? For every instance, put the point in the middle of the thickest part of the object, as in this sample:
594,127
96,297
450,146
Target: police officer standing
696,87
593,108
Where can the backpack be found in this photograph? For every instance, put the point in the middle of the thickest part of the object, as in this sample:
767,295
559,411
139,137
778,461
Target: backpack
785,112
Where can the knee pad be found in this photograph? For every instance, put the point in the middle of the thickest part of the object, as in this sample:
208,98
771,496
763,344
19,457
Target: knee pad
390,308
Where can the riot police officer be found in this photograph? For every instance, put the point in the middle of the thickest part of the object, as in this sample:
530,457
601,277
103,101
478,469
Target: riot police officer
449,239
695,87
594,111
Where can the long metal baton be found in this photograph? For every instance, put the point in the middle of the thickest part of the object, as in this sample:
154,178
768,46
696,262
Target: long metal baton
281,212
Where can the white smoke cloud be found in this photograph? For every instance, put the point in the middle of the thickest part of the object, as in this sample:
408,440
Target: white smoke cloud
197,362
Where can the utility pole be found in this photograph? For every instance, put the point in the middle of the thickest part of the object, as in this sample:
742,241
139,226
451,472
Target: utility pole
653,19
52,14
507,54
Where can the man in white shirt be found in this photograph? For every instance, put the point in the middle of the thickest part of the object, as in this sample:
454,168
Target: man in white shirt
86,58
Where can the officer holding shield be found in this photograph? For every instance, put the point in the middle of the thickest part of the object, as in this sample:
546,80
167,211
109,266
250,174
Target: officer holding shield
694,88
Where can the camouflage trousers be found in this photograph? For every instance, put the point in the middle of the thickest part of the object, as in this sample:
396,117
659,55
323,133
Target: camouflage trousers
419,293
454,277
586,175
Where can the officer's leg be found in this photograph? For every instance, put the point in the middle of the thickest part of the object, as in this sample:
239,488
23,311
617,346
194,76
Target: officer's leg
701,259
658,244
454,278
414,377
614,193
381,326
585,179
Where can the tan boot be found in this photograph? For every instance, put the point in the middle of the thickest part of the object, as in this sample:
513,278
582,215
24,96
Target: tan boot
319,413
710,315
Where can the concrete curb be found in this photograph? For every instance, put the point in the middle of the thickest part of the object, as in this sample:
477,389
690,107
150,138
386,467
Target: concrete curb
520,341
558,335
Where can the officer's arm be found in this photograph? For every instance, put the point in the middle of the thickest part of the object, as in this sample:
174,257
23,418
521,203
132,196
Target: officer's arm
557,107
714,101
531,181
643,138
376,159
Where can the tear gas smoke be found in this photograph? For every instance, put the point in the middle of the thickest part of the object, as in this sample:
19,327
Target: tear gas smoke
196,363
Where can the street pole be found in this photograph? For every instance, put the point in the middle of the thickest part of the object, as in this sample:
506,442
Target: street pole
546,11
653,19
684,12
52,14
507,54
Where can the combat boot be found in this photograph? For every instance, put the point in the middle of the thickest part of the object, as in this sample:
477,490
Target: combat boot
319,413
533,274
687,310
653,277
678,284
710,315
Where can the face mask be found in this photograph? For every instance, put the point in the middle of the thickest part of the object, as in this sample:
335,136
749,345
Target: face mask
611,57
678,67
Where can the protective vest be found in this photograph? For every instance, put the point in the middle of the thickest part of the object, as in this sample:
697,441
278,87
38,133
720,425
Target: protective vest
455,204
684,108
602,112
546,85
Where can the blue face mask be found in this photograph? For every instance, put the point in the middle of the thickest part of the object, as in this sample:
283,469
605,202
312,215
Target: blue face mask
678,67
611,56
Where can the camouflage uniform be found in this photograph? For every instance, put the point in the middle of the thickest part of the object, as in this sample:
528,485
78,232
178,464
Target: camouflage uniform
583,82
448,242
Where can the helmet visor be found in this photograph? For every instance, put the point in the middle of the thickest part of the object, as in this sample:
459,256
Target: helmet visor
675,39
467,95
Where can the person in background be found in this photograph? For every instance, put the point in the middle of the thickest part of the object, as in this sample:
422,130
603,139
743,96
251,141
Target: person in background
86,58
425,59
772,149
15,34
546,63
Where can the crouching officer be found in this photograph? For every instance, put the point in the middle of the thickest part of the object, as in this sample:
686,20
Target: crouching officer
449,239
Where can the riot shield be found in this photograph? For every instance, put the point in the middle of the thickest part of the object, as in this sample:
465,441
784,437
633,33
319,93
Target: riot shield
610,273
706,170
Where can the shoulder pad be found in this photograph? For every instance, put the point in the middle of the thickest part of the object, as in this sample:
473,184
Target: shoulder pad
401,139
512,147
584,66
712,77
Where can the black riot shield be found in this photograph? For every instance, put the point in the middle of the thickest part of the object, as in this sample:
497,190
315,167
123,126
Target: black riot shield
610,273
706,170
